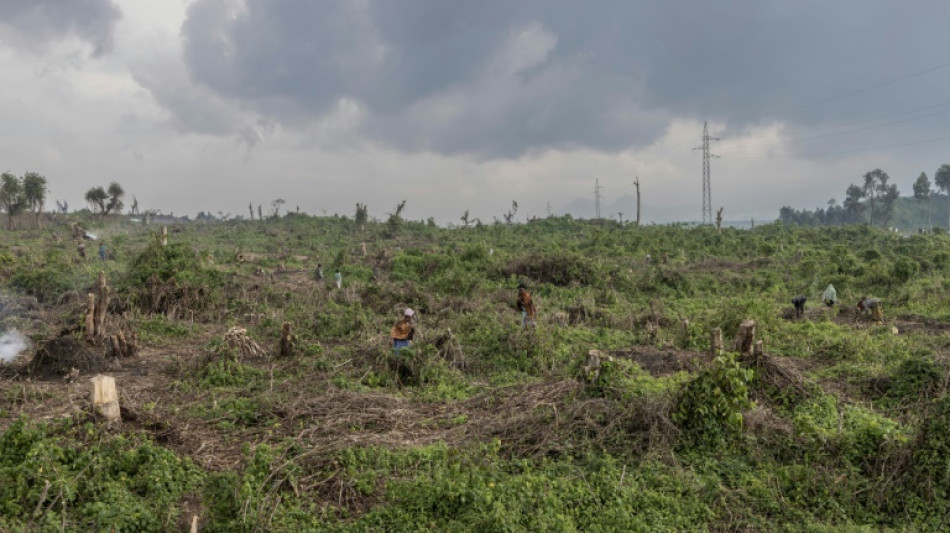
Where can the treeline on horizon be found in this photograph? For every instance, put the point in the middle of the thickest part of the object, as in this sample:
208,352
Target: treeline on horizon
878,202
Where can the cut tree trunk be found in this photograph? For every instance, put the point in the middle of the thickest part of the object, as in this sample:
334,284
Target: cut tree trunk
101,305
90,322
286,341
105,398
715,342
745,338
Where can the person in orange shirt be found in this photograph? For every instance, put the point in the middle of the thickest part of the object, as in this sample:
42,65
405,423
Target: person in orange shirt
526,306
403,331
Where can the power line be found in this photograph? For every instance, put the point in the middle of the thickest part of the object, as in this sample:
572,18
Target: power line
871,119
867,149
853,130
847,94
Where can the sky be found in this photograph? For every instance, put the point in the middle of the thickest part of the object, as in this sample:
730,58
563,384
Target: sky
454,105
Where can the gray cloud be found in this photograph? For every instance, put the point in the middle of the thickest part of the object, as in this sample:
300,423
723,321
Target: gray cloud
498,79
33,24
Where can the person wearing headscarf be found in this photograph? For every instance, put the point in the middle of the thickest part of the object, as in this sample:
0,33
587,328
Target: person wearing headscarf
403,331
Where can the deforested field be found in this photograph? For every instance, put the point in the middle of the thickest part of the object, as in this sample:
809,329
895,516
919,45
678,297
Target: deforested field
256,397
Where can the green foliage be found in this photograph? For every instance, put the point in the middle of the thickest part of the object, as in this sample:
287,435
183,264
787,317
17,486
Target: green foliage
95,483
624,380
227,371
155,329
860,448
930,473
477,489
915,378
710,406
157,263
905,269
47,281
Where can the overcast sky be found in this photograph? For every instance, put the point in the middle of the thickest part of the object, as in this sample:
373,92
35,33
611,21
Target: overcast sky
206,105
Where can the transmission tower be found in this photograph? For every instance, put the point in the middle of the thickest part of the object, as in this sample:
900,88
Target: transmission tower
597,197
707,196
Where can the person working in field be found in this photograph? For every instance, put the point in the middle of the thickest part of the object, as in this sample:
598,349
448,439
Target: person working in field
871,306
799,303
403,331
830,296
526,306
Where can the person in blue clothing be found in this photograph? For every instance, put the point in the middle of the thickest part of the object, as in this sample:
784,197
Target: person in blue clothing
102,251
403,331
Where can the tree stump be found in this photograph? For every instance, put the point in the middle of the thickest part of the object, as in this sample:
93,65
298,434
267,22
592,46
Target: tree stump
123,345
759,349
164,235
286,341
363,247
715,342
104,397
745,338
90,321
101,305
592,366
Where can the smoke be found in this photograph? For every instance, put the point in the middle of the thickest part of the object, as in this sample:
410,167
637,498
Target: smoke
11,344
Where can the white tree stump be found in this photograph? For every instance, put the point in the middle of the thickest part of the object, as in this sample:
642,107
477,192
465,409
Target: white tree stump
105,398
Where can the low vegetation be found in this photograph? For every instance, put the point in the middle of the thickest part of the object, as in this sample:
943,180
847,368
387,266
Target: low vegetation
837,423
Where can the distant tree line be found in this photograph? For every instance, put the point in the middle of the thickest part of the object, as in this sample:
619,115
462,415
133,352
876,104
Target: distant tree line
872,201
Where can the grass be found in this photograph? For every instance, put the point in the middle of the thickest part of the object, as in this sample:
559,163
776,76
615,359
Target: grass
481,424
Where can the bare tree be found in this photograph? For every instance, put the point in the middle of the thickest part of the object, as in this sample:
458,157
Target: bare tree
636,183
510,215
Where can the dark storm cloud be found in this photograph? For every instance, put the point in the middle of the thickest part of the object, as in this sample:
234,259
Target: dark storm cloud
32,24
498,78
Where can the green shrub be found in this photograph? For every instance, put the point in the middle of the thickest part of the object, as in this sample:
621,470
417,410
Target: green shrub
930,473
905,269
915,378
710,406
95,484
161,264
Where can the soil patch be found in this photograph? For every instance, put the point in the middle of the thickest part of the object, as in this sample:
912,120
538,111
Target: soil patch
65,355
661,362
